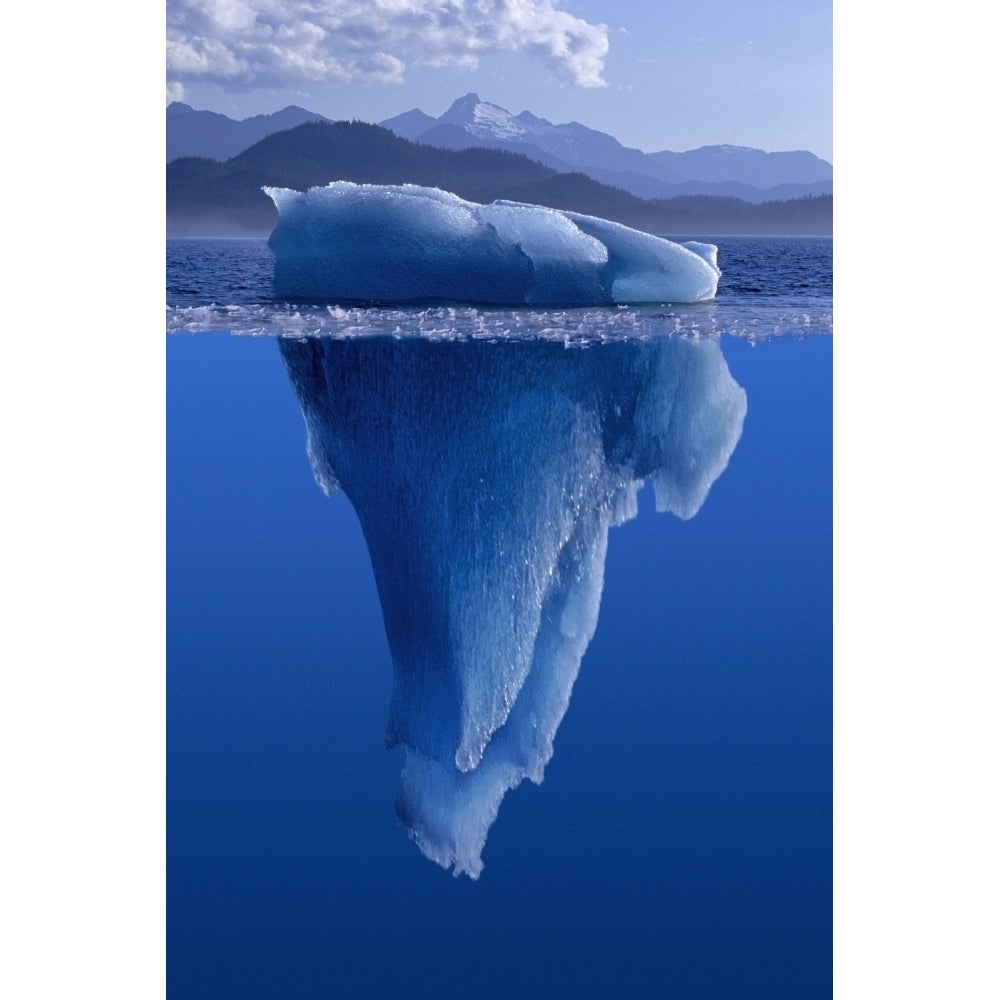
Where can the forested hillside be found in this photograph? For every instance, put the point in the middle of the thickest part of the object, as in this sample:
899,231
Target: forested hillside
205,197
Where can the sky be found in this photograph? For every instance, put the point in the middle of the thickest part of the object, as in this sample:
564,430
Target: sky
656,75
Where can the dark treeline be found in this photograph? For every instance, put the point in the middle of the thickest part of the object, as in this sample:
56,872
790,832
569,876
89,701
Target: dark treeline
205,197
811,215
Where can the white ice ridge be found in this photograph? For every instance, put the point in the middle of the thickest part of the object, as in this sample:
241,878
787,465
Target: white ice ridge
368,243
485,477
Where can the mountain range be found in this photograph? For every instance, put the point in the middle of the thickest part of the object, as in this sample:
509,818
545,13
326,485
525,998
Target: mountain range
206,197
751,175
728,171
218,137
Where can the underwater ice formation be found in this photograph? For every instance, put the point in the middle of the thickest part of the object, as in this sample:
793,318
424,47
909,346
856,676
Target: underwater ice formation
369,243
485,477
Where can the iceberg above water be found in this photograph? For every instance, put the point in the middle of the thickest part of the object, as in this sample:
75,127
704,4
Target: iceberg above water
486,477
352,243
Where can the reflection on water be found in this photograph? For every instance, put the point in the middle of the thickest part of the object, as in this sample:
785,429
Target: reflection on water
485,477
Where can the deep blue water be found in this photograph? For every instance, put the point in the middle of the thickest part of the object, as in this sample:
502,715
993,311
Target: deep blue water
680,844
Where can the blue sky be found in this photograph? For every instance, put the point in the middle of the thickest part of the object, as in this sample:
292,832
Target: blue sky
657,75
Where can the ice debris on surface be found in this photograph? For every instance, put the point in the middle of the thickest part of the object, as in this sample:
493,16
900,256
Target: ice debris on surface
352,243
573,327
486,477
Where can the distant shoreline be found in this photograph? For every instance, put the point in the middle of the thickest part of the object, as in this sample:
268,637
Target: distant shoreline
779,219
194,229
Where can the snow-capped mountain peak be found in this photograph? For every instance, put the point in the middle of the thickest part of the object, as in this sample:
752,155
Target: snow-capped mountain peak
483,120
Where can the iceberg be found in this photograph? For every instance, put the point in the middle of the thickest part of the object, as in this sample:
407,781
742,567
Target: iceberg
351,243
486,477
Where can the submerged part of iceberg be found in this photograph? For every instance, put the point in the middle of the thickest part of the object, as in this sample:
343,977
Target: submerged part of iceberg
369,243
486,477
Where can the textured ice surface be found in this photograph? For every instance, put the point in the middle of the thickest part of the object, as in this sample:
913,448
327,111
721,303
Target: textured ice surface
368,243
486,477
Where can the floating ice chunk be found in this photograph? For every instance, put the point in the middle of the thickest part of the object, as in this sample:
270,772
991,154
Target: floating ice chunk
486,477
708,251
368,243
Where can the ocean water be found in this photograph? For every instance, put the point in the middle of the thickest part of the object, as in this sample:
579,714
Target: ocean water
680,844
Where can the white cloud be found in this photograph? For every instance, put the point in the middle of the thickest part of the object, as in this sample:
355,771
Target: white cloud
278,43
175,92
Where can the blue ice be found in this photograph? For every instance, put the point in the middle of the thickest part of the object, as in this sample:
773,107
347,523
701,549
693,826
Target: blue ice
486,477
369,243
